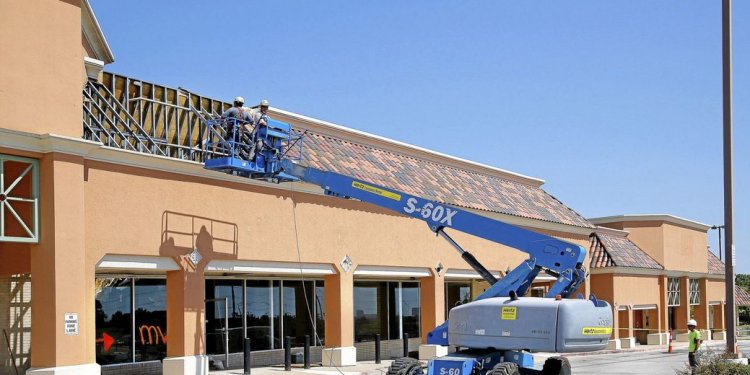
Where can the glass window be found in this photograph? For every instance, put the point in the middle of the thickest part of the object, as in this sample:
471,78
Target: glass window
673,291
114,328
298,310
386,308
218,291
320,318
695,293
410,306
263,314
150,319
456,293
370,311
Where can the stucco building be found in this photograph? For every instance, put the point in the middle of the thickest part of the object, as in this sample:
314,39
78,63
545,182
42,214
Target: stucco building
119,252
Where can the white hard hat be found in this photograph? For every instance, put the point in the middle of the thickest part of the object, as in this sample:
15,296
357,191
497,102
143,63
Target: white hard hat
239,99
692,322
264,103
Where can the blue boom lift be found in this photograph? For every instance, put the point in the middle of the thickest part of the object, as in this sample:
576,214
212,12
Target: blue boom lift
494,334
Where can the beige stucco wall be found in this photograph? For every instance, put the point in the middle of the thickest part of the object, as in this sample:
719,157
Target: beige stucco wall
685,248
42,66
716,291
636,290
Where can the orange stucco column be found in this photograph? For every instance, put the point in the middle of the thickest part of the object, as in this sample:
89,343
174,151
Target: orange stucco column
63,276
702,309
186,291
339,308
630,321
663,308
682,313
432,300
719,323
615,321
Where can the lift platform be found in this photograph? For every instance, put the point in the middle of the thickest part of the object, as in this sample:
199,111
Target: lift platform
235,147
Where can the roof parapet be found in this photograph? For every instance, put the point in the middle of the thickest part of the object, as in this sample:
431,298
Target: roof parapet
667,218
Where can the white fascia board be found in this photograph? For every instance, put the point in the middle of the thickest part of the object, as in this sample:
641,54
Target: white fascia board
715,303
651,217
273,268
645,307
543,278
389,271
460,274
93,33
136,262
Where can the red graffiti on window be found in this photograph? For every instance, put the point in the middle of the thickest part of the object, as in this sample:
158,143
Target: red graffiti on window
154,333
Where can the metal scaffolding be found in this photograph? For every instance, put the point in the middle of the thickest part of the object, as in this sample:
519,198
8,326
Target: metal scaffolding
135,115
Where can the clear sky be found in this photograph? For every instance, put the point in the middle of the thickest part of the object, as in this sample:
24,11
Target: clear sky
617,105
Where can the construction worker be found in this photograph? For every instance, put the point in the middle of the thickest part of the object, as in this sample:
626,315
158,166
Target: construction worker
694,338
242,117
258,119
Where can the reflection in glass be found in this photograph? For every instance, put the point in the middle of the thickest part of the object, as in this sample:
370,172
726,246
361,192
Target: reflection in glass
231,290
410,308
456,293
113,320
297,310
370,310
320,319
150,319
262,313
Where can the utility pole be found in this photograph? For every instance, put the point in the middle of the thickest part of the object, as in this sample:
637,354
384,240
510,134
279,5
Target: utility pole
726,49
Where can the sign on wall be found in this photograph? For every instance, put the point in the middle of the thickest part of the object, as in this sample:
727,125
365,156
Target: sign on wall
71,323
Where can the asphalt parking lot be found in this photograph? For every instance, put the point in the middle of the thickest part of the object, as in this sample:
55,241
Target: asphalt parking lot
643,360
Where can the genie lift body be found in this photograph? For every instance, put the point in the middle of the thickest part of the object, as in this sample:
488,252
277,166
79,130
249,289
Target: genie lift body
496,333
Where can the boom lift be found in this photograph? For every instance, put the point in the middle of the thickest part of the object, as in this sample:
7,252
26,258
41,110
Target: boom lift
496,333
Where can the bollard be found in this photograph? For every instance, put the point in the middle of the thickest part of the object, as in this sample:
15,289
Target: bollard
670,342
247,357
287,353
406,344
307,351
377,348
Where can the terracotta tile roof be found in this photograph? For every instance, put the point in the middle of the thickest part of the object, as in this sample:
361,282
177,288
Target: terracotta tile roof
436,181
741,296
715,266
615,251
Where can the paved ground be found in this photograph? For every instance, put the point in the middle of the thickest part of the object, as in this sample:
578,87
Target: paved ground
641,360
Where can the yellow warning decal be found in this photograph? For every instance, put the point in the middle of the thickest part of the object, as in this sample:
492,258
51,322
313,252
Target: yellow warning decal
376,190
591,331
509,313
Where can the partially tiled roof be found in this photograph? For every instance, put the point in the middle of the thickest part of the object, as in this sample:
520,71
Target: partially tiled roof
741,296
436,181
715,266
616,251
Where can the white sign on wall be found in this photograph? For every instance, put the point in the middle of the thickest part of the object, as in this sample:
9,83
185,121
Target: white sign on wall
71,323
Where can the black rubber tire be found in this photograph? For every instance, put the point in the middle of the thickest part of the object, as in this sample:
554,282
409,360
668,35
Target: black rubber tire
400,364
556,366
413,369
504,368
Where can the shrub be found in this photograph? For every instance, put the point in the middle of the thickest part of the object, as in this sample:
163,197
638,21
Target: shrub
714,363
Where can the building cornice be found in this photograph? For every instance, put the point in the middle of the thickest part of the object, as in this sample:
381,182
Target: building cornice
651,217
94,151
611,232
387,144
94,35
653,272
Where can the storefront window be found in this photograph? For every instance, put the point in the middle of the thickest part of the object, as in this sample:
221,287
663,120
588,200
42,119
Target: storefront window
263,314
114,328
386,308
320,320
150,319
298,311
224,314
456,293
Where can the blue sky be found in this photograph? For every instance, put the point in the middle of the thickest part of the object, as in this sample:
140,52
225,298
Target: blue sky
616,104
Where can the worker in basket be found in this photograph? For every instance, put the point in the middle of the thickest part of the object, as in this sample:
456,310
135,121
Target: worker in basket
259,122
238,127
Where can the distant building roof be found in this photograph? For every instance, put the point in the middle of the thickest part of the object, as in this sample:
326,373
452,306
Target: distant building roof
741,296
618,251
651,217
429,179
715,266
